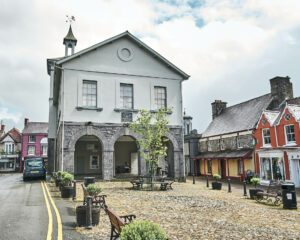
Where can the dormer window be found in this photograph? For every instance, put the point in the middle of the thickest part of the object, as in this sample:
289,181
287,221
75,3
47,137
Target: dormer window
239,142
266,137
290,134
222,145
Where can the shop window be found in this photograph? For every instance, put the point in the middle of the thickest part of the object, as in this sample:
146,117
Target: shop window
209,168
240,167
272,168
31,150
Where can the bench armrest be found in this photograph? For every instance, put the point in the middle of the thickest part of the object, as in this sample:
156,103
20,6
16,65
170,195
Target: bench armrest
128,218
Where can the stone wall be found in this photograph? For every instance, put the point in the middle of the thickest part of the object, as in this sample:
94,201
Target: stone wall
230,143
108,134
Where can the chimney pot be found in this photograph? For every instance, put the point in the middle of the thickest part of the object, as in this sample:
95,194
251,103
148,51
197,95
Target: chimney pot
2,128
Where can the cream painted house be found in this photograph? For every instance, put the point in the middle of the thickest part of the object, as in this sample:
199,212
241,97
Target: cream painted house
96,92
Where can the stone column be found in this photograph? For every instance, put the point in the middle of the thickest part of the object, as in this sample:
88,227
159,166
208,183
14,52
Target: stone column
107,165
179,165
142,165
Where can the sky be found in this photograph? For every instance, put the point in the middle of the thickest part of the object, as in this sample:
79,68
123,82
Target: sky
230,48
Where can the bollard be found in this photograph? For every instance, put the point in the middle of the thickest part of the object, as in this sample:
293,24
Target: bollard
193,178
74,195
207,183
229,185
89,213
245,188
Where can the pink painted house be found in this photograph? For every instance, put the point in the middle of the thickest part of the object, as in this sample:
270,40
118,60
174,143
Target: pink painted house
34,140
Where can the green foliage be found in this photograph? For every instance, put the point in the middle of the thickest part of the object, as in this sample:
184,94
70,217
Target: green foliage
59,174
217,177
93,189
255,181
152,127
142,230
67,178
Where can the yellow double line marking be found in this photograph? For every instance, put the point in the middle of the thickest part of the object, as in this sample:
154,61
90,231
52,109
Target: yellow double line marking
50,224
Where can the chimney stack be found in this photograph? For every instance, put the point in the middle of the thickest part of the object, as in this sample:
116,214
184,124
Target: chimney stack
2,128
281,89
217,108
26,121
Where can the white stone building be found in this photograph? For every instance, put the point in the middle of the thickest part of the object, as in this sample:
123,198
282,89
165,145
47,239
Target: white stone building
96,92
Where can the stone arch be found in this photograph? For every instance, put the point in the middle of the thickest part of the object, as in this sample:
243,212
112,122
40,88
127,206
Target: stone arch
119,133
173,140
86,130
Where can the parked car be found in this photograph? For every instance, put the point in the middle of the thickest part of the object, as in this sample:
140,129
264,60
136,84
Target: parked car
34,168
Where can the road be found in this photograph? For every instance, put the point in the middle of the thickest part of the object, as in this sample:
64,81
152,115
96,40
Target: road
25,213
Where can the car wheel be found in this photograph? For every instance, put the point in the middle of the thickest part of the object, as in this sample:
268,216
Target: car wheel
24,179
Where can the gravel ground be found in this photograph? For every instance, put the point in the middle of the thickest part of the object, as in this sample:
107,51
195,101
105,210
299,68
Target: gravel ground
195,212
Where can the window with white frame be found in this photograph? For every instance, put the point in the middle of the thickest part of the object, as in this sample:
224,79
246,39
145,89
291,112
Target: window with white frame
31,150
89,94
31,138
266,137
9,147
126,96
290,134
160,97
209,147
272,168
44,150
222,144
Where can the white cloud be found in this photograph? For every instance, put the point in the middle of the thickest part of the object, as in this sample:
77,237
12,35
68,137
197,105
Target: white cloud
5,115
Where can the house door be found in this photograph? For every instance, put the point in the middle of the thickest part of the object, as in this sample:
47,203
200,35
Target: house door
223,168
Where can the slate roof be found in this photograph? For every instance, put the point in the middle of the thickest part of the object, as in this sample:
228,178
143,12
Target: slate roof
36,128
14,133
294,101
227,154
240,117
272,116
296,111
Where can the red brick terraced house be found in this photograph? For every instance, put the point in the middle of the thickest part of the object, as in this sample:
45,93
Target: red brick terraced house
278,143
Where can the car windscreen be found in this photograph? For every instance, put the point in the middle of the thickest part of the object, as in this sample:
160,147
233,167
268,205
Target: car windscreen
35,163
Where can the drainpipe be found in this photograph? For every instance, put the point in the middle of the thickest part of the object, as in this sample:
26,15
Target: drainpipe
62,117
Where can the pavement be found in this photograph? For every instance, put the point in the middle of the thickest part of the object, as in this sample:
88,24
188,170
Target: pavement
24,213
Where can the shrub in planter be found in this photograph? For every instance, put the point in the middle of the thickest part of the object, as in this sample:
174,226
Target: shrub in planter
139,230
252,192
216,185
93,189
67,190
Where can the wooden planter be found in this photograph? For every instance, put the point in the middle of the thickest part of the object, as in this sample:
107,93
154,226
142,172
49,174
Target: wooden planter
253,191
81,215
216,185
67,191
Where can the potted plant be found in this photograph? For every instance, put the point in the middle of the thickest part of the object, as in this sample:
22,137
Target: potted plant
93,190
253,191
142,230
216,185
67,190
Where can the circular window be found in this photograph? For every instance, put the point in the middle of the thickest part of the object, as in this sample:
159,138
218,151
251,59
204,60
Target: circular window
125,53
287,117
264,121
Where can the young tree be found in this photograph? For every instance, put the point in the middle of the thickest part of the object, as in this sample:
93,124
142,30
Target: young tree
152,127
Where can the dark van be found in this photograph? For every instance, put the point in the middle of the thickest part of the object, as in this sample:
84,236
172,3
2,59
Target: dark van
34,168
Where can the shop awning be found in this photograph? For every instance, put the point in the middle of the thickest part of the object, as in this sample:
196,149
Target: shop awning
6,160
226,154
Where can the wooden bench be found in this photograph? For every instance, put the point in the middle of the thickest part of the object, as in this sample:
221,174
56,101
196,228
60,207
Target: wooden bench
137,183
272,195
96,200
117,222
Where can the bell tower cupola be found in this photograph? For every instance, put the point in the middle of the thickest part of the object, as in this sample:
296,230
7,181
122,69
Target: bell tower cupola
70,42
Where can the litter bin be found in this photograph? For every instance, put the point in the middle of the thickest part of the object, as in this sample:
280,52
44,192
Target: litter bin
289,199
89,180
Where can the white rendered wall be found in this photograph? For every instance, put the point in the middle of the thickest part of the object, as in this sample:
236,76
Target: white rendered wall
104,66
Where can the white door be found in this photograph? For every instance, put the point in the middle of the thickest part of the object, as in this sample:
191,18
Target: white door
134,163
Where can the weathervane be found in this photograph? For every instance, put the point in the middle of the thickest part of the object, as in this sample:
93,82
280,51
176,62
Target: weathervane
70,19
